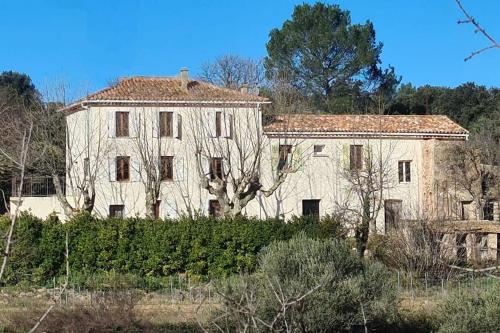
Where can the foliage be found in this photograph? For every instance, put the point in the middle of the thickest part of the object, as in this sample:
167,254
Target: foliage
328,58
20,84
471,311
297,280
468,104
127,248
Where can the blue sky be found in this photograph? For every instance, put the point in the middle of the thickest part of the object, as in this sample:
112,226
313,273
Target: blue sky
90,43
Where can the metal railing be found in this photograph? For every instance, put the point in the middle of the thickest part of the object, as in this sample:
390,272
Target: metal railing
36,186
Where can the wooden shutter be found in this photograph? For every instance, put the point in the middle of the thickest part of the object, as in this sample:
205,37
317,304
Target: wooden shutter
134,124
346,156
135,169
155,124
173,125
178,165
179,127
112,169
112,124
227,128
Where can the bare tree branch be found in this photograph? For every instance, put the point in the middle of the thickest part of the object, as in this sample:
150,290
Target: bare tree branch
478,28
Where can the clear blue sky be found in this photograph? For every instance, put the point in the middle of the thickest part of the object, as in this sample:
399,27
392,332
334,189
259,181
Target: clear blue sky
89,43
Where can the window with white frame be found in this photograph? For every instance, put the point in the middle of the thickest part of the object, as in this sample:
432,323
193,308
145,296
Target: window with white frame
404,171
319,150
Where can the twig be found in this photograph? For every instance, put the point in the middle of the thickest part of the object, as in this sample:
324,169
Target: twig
478,28
61,292
488,269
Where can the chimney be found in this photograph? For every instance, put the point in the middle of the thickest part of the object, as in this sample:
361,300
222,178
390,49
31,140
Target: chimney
244,88
184,79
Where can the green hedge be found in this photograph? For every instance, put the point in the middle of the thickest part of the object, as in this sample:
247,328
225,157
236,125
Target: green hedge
201,248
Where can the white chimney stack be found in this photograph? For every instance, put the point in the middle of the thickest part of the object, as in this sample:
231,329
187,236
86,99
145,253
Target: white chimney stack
244,88
184,79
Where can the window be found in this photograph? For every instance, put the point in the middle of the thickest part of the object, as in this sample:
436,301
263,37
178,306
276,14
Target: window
488,210
356,157
86,167
466,209
318,150
218,124
285,157
404,171
122,168
166,124
392,214
230,125
117,211
156,208
214,209
121,124
310,208
167,168
216,168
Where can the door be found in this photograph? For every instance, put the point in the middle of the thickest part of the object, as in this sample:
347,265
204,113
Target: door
392,214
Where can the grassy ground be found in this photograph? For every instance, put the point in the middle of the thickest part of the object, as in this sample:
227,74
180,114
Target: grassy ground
152,312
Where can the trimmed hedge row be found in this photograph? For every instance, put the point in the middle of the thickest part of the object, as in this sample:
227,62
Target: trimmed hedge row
201,248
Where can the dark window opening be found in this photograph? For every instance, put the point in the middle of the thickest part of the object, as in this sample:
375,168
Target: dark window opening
488,210
156,209
121,124
318,149
122,168
166,124
86,167
216,168
285,157
230,134
356,157
310,208
214,208
218,124
167,168
465,210
117,211
461,242
392,214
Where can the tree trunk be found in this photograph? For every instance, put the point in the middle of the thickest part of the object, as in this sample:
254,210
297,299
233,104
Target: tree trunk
151,199
363,229
69,211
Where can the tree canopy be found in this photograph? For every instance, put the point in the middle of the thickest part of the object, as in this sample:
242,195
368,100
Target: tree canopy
332,61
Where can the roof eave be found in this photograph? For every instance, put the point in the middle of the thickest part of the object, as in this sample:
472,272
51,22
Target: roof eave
462,136
153,102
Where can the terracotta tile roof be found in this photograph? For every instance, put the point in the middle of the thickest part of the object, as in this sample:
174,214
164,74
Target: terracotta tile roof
365,123
142,88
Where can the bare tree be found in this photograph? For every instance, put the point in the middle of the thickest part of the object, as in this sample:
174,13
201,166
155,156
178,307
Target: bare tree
78,157
465,170
232,153
19,123
232,71
152,138
477,28
367,171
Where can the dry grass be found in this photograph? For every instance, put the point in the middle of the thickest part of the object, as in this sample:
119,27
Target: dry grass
109,312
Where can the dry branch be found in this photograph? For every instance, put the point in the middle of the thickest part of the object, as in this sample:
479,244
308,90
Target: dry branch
478,28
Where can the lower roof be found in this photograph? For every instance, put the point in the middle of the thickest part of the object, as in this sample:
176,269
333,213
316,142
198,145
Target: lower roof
365,124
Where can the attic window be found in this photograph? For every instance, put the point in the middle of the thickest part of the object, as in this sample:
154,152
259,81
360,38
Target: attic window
319,150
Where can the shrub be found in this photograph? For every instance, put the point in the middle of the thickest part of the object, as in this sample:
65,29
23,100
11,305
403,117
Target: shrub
471,311
201,248
311,286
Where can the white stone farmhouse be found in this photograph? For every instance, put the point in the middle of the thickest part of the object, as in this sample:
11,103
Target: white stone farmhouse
192,133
